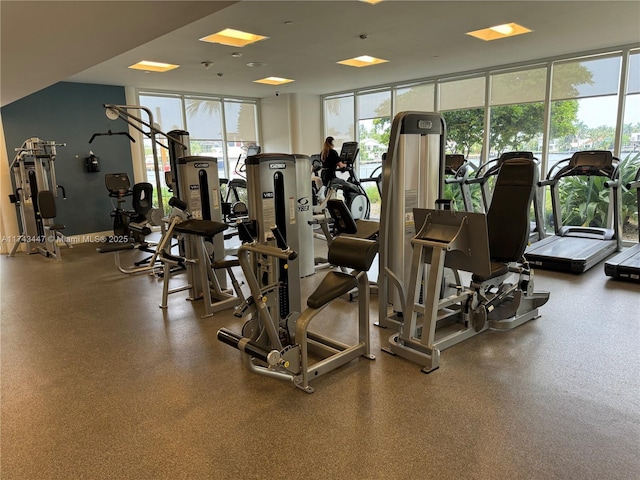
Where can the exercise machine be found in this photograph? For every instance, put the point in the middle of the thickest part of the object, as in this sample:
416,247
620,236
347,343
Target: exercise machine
352,191
578,248
203,281
485,175
129,225
501,293
457,171
149,129
279,194
281,347
33,172
626,265
412,177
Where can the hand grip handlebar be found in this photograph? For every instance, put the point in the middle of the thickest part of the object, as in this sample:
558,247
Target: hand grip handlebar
282,243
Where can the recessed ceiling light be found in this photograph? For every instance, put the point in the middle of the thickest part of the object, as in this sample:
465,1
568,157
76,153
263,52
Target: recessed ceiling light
273,80
256,64
233,38
362,61
153,66
372,2
499,31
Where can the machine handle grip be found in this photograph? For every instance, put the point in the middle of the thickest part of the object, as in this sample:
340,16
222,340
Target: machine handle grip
177,203
282,243
543,183
64,192
244,233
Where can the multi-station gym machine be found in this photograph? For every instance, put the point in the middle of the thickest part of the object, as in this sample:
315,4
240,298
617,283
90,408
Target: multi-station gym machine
36,189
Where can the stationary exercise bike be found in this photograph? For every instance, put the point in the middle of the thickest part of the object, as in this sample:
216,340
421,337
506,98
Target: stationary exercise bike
129,224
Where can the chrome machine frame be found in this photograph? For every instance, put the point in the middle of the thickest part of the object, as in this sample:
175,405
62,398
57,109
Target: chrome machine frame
412,177
33,170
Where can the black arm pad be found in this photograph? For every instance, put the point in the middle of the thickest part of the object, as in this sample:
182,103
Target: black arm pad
352,252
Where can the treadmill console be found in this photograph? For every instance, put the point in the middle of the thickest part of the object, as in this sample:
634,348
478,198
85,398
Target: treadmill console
453,163
592,162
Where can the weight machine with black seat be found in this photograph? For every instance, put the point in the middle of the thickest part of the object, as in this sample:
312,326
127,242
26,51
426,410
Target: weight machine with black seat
33,172
203,282
491,248
280,347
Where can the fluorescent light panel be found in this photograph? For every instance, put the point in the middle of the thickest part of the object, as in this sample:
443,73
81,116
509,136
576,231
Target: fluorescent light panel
499,31
362,61
372,2
233,38
273,80
148,66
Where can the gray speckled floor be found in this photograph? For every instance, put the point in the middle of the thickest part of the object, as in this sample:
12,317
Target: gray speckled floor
98,383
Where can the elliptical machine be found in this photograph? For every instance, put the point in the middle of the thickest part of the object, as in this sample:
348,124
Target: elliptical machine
354,194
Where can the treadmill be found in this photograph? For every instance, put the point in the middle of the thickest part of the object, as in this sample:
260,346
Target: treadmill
457,170
626,265
575,248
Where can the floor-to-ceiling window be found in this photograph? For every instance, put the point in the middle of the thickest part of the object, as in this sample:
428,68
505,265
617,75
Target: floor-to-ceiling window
552,107
584,106
219,127
462,104
630,148
339,119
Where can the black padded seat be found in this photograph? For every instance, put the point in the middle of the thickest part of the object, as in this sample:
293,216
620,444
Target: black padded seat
352,252
497,269
227,261
367,229
332,286
201,228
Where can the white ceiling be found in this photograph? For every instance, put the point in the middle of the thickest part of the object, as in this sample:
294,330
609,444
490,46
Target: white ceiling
94,42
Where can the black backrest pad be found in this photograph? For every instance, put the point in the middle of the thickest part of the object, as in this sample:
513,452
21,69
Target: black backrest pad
117,183
508,216
46,204
341,216
142,200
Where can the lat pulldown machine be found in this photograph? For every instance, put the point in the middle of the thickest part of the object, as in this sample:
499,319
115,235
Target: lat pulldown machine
34,175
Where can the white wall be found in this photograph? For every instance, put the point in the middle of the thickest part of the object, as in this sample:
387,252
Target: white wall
290,123
8,219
